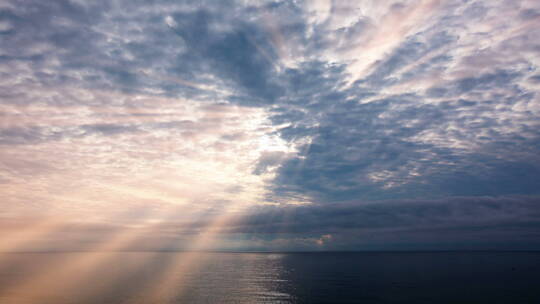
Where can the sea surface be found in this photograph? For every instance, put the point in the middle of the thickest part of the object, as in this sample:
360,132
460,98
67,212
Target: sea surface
365,277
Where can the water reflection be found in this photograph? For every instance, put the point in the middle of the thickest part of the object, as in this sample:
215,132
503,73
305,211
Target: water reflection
238,278
219,278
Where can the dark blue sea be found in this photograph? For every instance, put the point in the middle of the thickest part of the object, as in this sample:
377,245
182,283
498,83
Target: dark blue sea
366,277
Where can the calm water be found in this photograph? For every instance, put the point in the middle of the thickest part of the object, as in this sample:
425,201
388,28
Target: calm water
444,277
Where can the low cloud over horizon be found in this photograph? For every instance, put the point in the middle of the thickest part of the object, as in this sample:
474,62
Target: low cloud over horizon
269,125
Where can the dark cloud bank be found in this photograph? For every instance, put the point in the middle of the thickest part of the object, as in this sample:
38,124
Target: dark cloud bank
450,223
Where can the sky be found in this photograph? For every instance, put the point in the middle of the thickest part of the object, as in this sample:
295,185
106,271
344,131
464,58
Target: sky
281,125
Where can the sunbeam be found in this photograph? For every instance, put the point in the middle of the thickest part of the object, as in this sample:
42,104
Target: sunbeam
160,152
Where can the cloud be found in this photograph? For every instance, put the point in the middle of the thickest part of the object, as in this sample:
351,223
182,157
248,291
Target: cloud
456,222
472,222
273,102
422,122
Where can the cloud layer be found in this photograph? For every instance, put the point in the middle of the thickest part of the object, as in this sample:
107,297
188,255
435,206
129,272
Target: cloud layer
408,115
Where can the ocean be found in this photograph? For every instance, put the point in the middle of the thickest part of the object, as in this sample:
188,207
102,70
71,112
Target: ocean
195,277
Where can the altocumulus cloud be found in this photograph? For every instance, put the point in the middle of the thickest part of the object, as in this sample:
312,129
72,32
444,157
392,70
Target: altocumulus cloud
409,123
